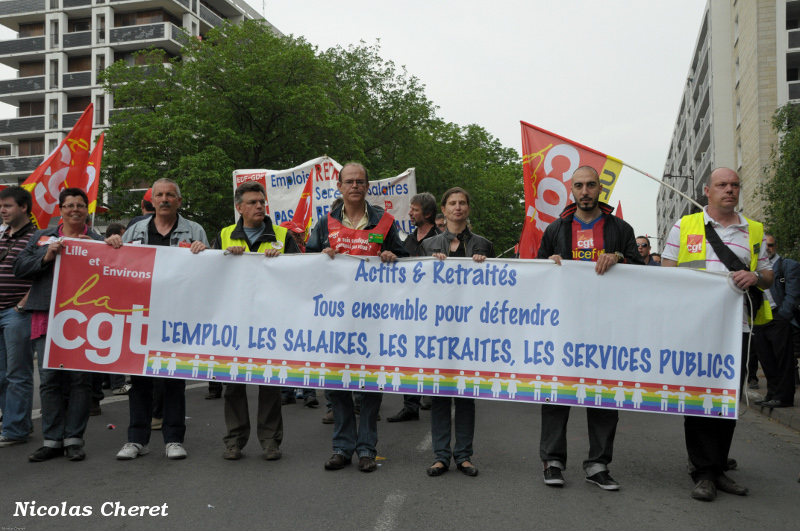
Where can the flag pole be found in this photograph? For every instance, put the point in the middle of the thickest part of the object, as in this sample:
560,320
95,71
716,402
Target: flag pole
659,181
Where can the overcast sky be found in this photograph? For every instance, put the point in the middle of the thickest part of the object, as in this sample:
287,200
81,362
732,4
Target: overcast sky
607,74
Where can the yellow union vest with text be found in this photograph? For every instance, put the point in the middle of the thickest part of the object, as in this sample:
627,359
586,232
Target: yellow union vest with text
280,235
692,252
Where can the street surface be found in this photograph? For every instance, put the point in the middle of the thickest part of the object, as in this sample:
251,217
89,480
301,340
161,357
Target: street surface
207,492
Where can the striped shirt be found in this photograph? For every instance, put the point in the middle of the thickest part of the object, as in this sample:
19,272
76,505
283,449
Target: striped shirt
13,289
736,237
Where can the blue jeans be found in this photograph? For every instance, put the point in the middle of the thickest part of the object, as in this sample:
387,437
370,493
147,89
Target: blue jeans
66,398
140,401
16,373
349,437
440,429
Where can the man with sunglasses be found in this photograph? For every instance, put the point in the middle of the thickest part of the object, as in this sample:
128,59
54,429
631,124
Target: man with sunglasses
16,354
643,244
355,228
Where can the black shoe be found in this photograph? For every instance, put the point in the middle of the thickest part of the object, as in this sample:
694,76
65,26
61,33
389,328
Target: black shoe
45,453
403,416
425,403
337,462
213,395
286,400
310,401
367,464
603,480
731,464
434,471
775,403
95,410
75,453
704,490
726,484
752,384
553,477
468,470
760,401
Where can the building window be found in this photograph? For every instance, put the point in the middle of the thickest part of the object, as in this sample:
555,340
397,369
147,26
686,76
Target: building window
31,146
5,150
100,110
55,41
31,69
31,30
101,29
54,73
31,108
101,65
738,113
53,114
736,67
137,18
736,30
54,4
78,103
79,24
52,145
79,64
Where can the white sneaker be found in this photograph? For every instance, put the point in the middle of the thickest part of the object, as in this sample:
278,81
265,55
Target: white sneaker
175,450
132,451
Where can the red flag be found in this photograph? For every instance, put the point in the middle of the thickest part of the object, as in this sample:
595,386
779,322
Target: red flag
92,174
63,168
618,212
302,214
547,164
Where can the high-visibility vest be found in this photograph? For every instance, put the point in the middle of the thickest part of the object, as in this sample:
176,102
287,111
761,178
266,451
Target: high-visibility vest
227,241
692,252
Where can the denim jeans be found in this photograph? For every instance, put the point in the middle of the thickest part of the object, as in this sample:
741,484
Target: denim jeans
440,429
66,398
140,400
288,392
350,435
16,373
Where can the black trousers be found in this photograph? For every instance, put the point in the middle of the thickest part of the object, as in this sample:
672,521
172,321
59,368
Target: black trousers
774,344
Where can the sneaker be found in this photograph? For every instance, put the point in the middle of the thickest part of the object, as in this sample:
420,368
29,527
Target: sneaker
273,453
122,390
75,453
175,450
156,423
553,476
603,480
132,451
95,410
232,453
328,417
311,401
45,453
5,441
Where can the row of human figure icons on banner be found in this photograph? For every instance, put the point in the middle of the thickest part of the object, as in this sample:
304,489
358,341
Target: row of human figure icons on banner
463,381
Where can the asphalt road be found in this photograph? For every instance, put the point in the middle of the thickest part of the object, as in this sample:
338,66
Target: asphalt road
207,492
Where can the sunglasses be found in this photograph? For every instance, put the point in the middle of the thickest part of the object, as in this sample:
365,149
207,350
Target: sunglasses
642,245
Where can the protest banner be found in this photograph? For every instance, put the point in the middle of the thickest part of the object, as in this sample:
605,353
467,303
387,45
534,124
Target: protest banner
310,188
548,161
524,331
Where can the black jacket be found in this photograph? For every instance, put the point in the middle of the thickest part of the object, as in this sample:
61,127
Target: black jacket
414,246
618,236
473,244
319,236
28,266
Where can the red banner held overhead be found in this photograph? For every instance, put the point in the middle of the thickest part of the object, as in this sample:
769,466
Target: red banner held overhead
63,168
548,161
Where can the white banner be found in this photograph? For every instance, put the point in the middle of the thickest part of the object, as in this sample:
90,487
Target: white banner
285,188
637,338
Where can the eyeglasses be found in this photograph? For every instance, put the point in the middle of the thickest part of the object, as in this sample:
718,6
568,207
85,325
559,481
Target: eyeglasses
642,245
770,245
78,206
358,182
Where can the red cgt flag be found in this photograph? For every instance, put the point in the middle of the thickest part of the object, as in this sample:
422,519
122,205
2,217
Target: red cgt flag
548,161
302,214
618,212
63,168
91,184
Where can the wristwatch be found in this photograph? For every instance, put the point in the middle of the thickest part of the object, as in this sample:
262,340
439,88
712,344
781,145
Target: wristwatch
19,308
620,257
759,276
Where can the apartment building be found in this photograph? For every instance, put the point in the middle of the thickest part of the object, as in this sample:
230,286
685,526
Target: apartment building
745,65
62,46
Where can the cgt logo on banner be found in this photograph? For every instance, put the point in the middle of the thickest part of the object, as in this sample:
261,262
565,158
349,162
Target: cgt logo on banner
289,192
103,308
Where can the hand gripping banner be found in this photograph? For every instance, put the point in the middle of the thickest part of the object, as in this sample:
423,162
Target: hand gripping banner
501,330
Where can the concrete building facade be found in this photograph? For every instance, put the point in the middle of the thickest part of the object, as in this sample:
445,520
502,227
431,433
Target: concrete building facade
62,46
744,67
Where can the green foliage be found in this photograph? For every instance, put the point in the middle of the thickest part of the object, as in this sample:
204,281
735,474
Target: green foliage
244,98
782,191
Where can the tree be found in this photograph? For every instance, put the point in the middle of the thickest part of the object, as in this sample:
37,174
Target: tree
782,191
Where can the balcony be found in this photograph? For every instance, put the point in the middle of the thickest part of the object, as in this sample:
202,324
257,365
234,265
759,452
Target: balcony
28,124
210,17
136,37
68,120
23,84
22,46
74,40
15,7
75,3
20,164
77,79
